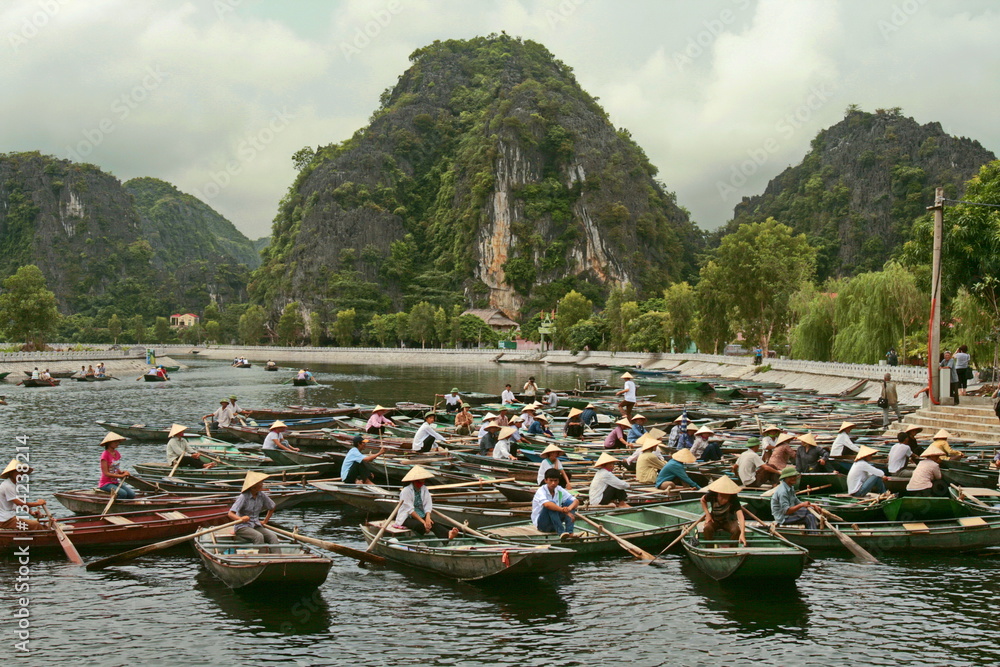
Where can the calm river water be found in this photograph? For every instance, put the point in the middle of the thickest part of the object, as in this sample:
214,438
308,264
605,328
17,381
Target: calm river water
166,610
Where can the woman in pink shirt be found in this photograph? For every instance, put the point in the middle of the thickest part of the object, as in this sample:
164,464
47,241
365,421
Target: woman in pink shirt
616,438
111,474
378,421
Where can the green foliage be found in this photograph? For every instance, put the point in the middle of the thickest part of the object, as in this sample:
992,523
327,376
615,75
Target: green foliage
520,274
115,327
343,327
713,327
252,323
646,332
442,326
975,325
315,329
211,312
587,334
474,331
382,328
616,323
681,306
213,330
421,323
161,330
28,308
571,309
812,337
138,329
291,326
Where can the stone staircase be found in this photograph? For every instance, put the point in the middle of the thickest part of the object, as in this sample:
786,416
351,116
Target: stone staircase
973,419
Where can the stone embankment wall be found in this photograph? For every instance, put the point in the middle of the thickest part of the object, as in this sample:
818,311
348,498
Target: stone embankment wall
126,364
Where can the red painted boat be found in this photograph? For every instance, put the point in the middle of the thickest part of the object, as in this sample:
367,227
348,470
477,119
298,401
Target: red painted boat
302,412
125,529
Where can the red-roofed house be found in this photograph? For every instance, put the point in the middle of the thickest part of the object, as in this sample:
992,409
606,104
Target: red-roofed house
183,321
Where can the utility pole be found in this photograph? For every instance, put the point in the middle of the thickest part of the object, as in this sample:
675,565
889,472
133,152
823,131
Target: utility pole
934,335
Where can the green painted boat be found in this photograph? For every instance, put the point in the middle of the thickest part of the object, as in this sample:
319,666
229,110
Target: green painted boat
922,508
274,567
171,369
944,535
763,557
4,374
848,509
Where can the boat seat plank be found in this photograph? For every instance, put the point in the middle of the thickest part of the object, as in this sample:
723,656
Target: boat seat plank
118,520
172,515
510,531
980,492
970,521
628,523
917,527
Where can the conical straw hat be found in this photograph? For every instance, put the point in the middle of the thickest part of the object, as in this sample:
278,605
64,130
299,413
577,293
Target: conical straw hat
656,433
942,435
604,459
11,467
646,443
846,425
864,451
703,430
253,478
278,424
379,408
912,428
933,450
626,376
573,412
553,448
771,428
806,437
684,456
113,437
623,422
177,429
417,473
642,417
723,485
506,432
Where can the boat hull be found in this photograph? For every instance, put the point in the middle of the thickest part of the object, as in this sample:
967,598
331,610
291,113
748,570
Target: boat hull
238,567
898,537
778,560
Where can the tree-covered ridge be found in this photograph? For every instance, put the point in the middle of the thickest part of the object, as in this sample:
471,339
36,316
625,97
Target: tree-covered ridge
182,228
487,175
859,189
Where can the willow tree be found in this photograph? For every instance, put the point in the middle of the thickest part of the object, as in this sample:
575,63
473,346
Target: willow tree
976,325
682,306
618,324
712,326
760,266
813,334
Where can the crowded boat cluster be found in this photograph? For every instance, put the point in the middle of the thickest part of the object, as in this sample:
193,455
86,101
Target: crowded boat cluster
479,485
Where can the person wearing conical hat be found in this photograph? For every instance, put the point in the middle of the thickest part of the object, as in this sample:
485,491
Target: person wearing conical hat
782,455
530,390
178,448
723,510
573,428
502,450
810,457
676,432
842,444
909,435
452,401
673,474
275,438
628,396
111,473
616,438
550,461
863,476
11,500
249,504
589,415
650,461
637,429
528,415
700,442
540,426
552,506
900,456
378,421
355,468
686,439
785,505
416,505
490,435
426,438
605,487
463,421
926,479
750,467
221,418
270,364
507,396
768,442
941,440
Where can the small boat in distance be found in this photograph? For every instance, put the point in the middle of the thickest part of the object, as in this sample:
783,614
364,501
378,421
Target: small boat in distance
40,383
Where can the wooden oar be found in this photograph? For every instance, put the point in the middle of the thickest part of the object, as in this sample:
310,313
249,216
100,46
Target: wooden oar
149,548
71,553
623,543
461,526
851,545
680,537
176,464
381,531
329,546
480,482
114,494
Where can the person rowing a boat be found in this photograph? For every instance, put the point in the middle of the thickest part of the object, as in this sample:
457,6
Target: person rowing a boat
552,506
606,488
863,476
650,461
628,396
270,364
589,416
488,440
673,475
111,474
35,374
809,457
941,440
247,508
452,401
101,370
573,428
177,448
502,450
11,515
275,438
463,421
723,510
842,445
355,469
378,421
426,438
751,468
550,461
540,426
785,506
507,396
616,439
234,409
222,417
768,441
926,479
90,372
637,429
416,505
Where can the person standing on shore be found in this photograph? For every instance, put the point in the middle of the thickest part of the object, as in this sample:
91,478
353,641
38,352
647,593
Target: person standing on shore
889,399
948,361
891,357
628,394
962,368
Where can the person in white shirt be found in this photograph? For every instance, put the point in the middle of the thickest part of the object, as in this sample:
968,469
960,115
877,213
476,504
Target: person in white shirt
900,455
426,438
528,415
507,396
46,375
864,477
452,401
35,375
222,417
10,499
842,445
605,488
416,506
628,396
550,461
751,467
236,410
552,506
275,438
769,441
488,418
502,449
701,437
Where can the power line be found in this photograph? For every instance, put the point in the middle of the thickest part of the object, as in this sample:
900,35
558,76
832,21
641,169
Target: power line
971,203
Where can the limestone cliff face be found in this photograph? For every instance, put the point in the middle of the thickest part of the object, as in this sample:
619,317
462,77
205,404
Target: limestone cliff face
487,177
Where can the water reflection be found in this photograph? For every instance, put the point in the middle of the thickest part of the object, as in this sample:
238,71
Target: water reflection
289,613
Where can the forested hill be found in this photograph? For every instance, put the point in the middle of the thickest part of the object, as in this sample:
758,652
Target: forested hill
104,248
486,177
862,185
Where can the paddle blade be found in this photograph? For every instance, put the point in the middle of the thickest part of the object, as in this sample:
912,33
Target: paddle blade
149,548
71,553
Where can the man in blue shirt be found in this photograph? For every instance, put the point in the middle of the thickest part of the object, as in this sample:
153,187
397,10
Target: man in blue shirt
673,473
637,429
785,506
589,416
552,507
355,469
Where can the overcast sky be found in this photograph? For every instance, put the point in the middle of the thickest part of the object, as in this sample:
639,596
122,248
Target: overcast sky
721,95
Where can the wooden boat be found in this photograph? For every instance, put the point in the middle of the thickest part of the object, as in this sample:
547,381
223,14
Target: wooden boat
92,378
476,398
278,567
301,412
245,364
62,375
282,457
40,383
304,382
235,472
153,378
976,500
270,368
92,501
849,509
144,433
763,557
286,494
923,508
4,374
466,558
972,533
124,529
171,369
